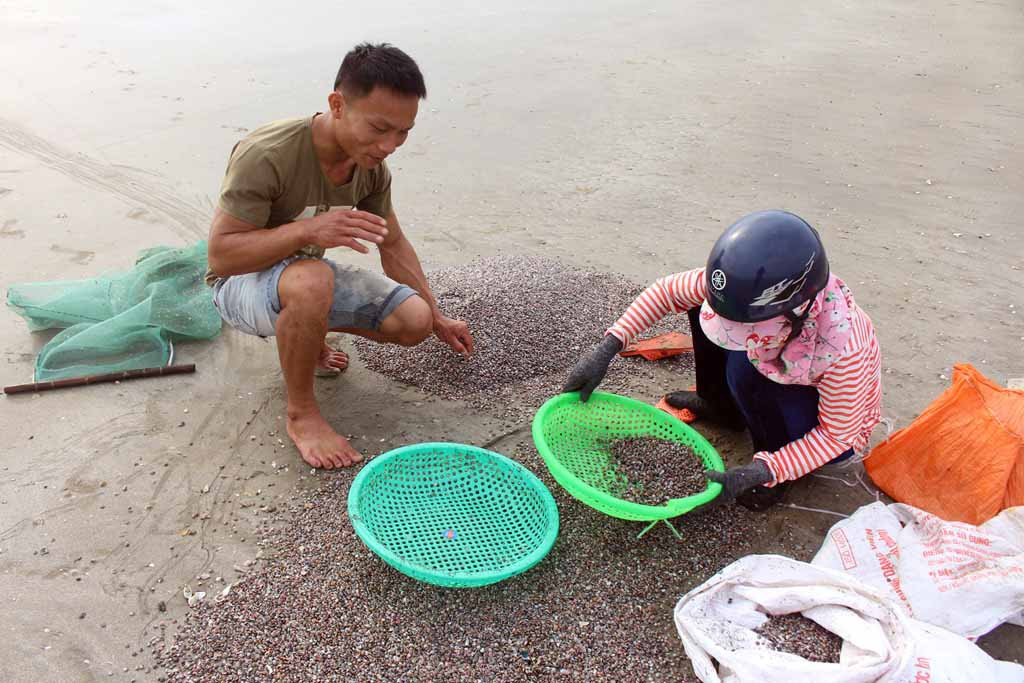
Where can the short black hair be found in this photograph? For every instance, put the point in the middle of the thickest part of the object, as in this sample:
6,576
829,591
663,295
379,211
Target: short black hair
367,66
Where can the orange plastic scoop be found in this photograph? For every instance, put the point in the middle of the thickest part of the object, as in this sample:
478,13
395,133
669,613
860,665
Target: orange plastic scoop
662,346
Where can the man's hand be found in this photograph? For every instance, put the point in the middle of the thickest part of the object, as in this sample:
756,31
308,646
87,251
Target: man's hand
345,229
455,334
591,369
737,480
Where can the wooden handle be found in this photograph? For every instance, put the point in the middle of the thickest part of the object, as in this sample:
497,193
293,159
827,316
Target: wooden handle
96,379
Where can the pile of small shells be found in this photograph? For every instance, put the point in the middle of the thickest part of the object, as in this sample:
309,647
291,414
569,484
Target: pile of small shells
798,635
656,470
321,606
531,319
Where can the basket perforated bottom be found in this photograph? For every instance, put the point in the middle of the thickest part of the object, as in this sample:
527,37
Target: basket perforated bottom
444,513
574,439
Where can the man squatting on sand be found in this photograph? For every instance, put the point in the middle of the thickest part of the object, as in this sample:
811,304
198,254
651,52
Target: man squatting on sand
297,187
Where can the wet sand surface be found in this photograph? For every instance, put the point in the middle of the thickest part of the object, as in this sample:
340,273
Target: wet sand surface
609,136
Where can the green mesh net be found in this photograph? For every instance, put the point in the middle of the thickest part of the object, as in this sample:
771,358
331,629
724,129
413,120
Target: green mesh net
123,321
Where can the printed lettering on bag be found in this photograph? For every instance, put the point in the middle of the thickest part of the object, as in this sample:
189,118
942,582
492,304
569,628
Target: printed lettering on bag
844,549
923,666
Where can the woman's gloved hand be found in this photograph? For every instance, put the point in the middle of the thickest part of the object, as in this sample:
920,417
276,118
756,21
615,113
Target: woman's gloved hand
591,369
738,480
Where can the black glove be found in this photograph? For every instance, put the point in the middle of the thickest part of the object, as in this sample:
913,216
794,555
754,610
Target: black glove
590,370
738,480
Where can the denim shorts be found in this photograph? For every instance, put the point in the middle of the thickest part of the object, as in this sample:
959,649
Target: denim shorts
362,299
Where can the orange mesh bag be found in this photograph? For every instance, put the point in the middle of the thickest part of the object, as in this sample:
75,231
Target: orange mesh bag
962,458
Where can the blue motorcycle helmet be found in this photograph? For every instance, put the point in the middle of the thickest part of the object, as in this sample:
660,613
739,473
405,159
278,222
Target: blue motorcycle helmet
766,264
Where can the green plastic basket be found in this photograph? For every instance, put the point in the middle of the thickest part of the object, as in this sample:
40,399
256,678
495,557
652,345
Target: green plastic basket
453,515
572,437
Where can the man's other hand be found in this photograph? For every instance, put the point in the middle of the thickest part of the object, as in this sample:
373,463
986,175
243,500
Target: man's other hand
454,333
348,228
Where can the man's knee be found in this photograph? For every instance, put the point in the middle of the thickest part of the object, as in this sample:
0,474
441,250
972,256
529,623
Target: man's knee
416,322
307,283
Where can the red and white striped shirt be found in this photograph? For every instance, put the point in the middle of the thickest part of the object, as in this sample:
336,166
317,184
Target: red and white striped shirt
849,392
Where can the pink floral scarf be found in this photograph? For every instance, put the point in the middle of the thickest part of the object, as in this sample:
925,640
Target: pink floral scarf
803,360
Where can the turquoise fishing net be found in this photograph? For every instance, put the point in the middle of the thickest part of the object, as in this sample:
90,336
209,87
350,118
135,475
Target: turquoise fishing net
122,321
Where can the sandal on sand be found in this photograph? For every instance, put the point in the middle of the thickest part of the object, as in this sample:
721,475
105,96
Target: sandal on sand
324,371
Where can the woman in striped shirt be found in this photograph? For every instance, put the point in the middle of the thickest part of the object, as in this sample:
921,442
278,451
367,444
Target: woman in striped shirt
781,348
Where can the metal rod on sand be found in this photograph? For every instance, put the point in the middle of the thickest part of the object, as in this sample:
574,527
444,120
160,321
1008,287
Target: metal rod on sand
96,379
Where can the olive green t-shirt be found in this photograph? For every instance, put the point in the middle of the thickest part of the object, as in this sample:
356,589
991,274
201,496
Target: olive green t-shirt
274,177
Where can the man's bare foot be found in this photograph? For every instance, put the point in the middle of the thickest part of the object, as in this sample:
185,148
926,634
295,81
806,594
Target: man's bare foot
320,445
331,363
